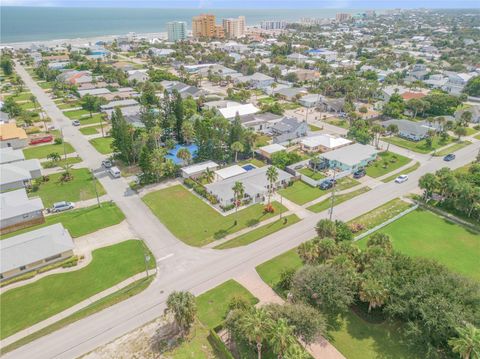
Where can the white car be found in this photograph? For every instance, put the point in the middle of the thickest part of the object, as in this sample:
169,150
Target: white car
401,179
62,206
114,172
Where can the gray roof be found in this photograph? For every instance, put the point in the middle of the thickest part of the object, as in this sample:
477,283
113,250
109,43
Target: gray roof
291,92
287,125
16,203
34,246
254,182
19,171
119,103
409,127
350,155
259,117
8,155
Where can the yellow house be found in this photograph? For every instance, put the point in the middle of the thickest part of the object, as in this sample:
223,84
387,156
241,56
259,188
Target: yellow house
12,136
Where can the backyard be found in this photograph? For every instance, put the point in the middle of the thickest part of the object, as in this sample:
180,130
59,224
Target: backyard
42,151
195,222
82,221
315,175
422,233
29,304
80,188
418,146
385,163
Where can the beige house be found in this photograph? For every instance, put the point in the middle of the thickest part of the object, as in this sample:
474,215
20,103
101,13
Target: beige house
12,136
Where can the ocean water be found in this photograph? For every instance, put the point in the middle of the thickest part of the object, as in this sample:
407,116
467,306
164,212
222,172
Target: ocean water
20,24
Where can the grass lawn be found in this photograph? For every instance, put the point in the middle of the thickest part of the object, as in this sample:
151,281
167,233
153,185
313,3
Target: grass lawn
404,172
195,346
325,204
301,193
195,222
82,221
102,144
381,214
477,137
69,160
76,114
24,306
23,96
27,105
312,174
65,106
260,232
262,140
114,298
212,306
42,151
385,163
314,128
90,130
253,161
45,85
338,122
471,131
422,233
455,147
80,188
95,119
419,146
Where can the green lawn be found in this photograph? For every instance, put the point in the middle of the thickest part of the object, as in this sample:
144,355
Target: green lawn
195,222
301,193
315,175
42,151
76,114
65,106
27,105
82,221
45,85
471,131
23,96
212,306
262,140
80,188
314,128
422,233
381,214
477,137
90,130
62,162
385,163
419,146
260,232
195,346
24,306
404,172
253,161
338,122
102,144
450,149
325,204
95,119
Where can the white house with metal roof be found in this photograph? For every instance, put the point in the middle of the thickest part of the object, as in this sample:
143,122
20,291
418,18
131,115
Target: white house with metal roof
323,143
9,155
349,158
18,211
198,169
231,111
19,174
33,250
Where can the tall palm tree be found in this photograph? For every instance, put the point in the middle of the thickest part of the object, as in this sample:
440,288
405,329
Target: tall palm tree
467,344
183,307
373,292
238,193
208,175
237,147
282,337
393,130
185,155
256,324
272,176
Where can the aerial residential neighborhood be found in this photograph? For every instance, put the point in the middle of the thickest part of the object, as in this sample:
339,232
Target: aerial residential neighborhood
240,181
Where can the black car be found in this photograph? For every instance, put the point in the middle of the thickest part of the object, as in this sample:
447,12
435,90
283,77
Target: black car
359,173
327,184
449,157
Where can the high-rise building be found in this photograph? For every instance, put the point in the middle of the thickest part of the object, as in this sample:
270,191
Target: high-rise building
341,16
177,31
273,24
234,28
203,26
219,32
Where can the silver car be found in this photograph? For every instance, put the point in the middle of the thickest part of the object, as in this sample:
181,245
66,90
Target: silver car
62,206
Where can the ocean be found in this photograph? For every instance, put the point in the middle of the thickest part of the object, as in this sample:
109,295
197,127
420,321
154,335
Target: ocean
19,24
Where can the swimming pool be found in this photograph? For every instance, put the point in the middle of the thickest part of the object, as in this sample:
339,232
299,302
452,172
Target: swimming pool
248,167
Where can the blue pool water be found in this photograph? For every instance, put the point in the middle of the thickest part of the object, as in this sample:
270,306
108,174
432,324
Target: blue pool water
249,167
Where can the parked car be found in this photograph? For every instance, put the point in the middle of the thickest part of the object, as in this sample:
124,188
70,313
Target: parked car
449,157
107,163
327,184
359,173
76,123
401,179
114,172
62,206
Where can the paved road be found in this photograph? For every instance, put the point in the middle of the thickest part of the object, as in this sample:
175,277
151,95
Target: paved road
182,267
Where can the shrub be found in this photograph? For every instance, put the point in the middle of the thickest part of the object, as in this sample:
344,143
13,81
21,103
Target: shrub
252,222
269,208
189,182
31,130
58,140
227,207
286,278
356,227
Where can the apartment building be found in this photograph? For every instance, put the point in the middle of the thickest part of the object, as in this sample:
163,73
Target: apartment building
342,16
273,24
203,26
177,31
234,28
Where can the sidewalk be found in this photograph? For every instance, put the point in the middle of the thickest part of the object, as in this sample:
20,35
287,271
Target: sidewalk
88,202
103,238
321,349
57,317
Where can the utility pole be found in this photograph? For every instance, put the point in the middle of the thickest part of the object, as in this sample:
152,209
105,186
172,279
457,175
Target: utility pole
63,141
95,186
333,195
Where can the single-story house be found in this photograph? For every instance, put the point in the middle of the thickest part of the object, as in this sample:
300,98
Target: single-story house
290,93
306,74
18,211
260,121
132,115
242,110
268,150
323,143
287,129
74,77
311,100
197,169
12,136
160,52
137,75
414,131
297,58
35,249
255,183
183,89
257,80
19,174
9,155
94,92
119,103
473,109
227,172
332,104
349,158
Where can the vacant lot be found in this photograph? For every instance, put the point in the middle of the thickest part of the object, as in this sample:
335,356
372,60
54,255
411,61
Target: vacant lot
42,151
195,222
386,162
80,188
419,146
24,306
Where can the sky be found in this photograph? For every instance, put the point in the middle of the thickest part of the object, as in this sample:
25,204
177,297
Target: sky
250,4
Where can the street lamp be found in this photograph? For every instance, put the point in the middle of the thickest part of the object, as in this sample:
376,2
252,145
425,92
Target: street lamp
146,257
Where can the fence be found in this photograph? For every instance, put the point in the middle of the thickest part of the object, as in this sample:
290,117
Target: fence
393,219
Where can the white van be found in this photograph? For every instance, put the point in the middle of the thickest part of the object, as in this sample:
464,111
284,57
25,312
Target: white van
115,172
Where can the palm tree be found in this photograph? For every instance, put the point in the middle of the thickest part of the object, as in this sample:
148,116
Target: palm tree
467,344
393,130
238,193
66,176
272,176
185,155
208,175
33,99
373,292
282,337
460,131
256,324
54,157
315,161
237,147
183,307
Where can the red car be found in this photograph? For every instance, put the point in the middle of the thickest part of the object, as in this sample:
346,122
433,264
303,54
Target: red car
42,139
